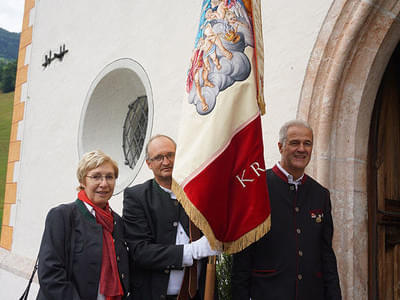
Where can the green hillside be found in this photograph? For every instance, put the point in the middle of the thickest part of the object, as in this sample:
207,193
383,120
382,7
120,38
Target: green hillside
6,108
9,43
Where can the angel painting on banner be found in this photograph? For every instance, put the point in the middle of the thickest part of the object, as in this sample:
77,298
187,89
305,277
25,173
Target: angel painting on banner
219,59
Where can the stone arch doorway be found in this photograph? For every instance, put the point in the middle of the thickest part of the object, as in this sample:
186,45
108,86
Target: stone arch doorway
345,69
384,186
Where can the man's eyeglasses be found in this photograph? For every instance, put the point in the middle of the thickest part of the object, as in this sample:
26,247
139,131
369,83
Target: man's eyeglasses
97,178
159,158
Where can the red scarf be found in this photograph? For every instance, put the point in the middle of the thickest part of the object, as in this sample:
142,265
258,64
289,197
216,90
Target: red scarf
110,285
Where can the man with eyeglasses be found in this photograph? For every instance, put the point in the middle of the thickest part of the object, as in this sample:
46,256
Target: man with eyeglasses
295,259
157,232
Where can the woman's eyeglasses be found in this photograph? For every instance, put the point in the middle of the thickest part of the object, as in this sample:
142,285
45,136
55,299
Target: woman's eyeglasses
97,178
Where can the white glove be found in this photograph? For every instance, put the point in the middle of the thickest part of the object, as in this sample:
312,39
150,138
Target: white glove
201,248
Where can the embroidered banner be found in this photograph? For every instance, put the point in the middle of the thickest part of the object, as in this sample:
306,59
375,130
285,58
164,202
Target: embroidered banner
219,173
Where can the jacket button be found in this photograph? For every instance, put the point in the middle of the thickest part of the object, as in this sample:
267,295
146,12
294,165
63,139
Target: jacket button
300,253
122,275
175,224
128,294
297,209
299,277
166,271
292,187
118,258
298,230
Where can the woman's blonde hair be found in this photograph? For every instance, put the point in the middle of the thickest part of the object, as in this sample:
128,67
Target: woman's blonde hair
91,160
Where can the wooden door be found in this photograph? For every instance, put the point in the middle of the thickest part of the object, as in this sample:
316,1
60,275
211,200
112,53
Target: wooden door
384,187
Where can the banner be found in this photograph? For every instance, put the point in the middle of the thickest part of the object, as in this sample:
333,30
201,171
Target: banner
219,172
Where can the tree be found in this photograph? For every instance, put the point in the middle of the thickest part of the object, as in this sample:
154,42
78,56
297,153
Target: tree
9,44
2,64
8,76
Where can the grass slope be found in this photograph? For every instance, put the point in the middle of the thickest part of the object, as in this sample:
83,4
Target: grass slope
6,109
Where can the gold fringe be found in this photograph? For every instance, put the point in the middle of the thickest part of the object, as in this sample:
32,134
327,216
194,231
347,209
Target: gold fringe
261,104
201,222
259,52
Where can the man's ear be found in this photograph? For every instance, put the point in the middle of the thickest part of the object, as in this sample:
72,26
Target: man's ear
280,146
148,164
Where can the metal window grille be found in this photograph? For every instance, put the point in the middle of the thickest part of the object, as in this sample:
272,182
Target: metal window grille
134,132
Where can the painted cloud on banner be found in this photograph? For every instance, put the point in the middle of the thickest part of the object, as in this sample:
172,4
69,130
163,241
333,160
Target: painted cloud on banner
218,59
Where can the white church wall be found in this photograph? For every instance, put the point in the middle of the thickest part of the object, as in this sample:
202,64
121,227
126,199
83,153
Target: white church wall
56,94
157,35
290,31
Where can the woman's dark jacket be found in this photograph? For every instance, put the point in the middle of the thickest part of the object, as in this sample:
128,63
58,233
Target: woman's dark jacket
70,254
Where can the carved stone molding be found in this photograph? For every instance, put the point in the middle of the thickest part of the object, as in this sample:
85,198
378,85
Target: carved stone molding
345,69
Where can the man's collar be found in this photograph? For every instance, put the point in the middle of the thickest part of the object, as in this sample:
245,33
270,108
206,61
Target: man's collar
168,191
290,177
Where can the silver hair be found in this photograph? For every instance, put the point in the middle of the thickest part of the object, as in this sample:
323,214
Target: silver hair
155,137
284,129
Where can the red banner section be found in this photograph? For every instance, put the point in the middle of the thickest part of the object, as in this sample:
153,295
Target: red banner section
239,199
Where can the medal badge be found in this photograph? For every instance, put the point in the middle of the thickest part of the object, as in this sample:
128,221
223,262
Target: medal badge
317,215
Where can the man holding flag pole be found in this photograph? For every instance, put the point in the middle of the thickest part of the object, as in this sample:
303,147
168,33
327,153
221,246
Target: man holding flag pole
166,250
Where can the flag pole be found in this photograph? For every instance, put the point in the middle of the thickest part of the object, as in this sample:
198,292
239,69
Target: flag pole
210,278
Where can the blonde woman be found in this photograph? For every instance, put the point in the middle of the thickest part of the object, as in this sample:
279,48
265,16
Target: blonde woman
83,254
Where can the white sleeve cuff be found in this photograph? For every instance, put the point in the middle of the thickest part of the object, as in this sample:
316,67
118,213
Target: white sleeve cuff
187,255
